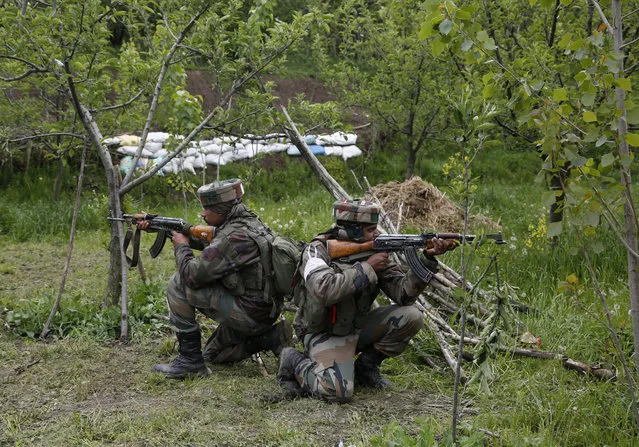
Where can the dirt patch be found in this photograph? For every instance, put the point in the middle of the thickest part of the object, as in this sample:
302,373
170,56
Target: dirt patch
420,204
201,83
117,400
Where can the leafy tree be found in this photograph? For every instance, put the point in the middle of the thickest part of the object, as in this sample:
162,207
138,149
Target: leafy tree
571,90
385,71
66,48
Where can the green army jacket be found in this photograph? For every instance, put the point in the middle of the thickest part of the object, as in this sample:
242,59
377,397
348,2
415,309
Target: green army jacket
336,297
233,258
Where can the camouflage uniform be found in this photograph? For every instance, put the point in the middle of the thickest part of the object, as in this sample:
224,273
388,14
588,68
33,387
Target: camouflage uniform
335,319
226,283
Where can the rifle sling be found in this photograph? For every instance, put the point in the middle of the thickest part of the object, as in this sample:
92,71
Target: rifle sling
132,261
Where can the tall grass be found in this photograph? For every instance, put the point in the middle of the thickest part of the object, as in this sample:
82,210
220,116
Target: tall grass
534,402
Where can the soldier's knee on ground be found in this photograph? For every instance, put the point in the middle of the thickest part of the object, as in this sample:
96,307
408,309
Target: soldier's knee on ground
331,395
414,319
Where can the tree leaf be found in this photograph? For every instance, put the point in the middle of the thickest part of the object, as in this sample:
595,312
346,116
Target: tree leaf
607,159
590,117
445,27
632,139
438,46
466,45
554,229
548,198
591,218
624,84
588,99
489,44
560,94
488,91
426,30
482,36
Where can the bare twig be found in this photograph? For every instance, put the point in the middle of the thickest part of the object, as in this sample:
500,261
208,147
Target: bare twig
118,106
602,15
156,92
67,262
46,135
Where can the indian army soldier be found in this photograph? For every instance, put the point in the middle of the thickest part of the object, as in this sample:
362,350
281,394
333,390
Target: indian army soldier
226,283
335,320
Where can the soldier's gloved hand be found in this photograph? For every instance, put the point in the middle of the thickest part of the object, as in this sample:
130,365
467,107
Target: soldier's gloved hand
142,224
441,246
378,261
178,239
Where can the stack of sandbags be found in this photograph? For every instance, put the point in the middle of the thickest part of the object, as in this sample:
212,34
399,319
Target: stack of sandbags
220,151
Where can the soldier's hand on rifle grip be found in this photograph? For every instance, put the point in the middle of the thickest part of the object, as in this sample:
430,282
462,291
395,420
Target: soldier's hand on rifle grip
441,246
178,239
378,261
142,224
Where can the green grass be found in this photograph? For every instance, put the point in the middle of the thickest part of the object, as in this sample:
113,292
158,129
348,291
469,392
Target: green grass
118,401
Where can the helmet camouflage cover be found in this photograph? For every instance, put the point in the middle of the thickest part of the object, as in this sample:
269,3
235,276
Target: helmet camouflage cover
219,192
356,210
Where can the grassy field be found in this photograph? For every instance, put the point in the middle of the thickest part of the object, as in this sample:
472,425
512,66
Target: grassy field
83,388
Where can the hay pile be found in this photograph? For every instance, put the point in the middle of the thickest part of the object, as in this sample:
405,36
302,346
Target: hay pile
425,207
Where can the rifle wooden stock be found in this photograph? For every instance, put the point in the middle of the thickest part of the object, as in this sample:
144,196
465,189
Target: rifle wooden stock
202,232
342,249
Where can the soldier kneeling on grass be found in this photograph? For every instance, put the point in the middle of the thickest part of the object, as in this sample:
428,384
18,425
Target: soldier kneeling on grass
227,283
335,320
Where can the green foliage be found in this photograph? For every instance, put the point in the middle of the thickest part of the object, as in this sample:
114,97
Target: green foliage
395,435
81,315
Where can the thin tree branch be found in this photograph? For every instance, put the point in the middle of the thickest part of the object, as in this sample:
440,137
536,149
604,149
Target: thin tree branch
45,135
118,106
156,93
65,270
34,68
630,43
602,16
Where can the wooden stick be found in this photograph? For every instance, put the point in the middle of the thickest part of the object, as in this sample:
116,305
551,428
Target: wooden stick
325,178
567,362
67,262
260,363
446,350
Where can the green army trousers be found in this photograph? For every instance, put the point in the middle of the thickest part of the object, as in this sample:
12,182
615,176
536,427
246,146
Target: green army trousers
232,339
329,371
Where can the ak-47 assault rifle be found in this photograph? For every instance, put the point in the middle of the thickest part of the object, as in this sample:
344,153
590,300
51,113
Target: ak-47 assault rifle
347,251
163,226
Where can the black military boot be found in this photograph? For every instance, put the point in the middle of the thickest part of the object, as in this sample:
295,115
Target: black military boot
275,339
189,362
289,359
367,372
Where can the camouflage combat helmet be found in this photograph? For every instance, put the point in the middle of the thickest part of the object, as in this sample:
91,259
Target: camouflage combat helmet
220,192
356,211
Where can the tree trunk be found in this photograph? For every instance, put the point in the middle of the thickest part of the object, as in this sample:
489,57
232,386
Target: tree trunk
114,282
58,180
412,157
630,218
27,158
557,183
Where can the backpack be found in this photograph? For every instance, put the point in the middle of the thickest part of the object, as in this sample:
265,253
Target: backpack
280,257
285,258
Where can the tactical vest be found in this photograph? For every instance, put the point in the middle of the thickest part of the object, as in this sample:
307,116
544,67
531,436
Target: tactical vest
341,319
253,278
